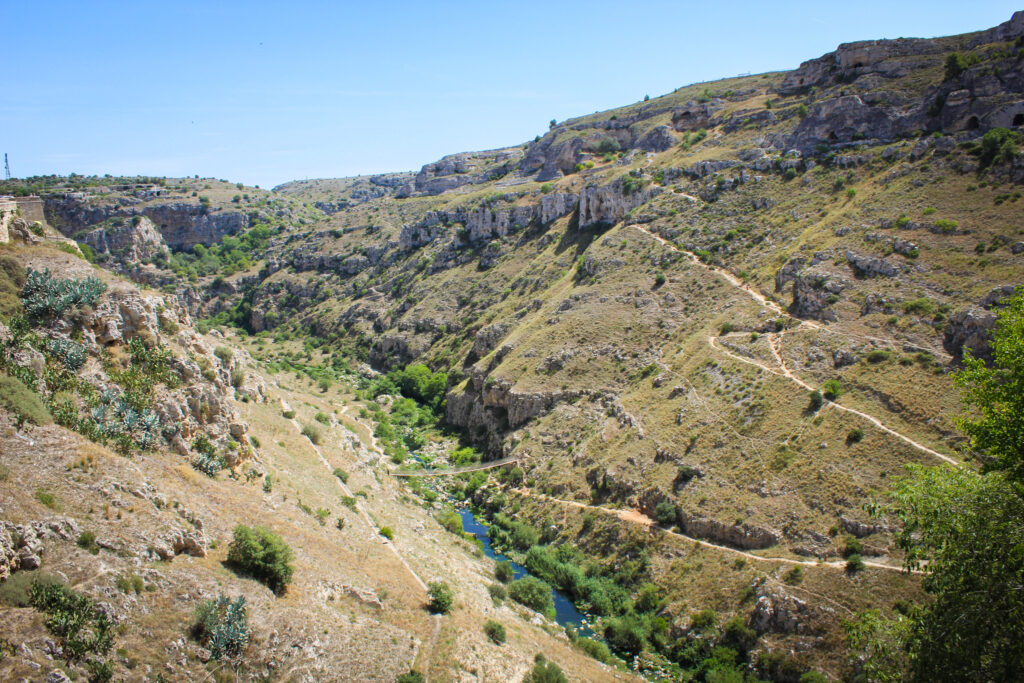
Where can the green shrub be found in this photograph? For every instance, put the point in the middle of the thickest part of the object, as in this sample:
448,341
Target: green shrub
341,474
87,541
795,576
854,563
412,677
533,593
737,635
14,592
26,405
46,498
626,634
224,354
221,626
817,400
665,513
322,418
262,554
441,597
311,432
387,532
546,188
957,63
852,546
596,649
450,520
74,619
12,278
495,631
544,671
497,592
854,435
877,356
832,389
998,145
660,279
324,384
288,414
129,583
504,572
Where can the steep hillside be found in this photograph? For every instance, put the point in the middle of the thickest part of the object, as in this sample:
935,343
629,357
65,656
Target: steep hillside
701,333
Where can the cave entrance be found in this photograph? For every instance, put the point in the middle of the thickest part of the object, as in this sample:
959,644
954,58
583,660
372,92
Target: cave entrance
973,123
1018,120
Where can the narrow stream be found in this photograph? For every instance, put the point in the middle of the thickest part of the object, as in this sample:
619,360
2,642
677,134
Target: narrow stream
566,613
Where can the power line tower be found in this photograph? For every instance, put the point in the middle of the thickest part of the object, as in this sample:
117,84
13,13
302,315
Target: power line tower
7,168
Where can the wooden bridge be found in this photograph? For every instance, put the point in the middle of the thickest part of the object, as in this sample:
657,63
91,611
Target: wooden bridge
458,470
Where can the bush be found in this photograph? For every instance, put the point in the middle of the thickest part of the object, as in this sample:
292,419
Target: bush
737,635
323,418
854,435
311,432
832,389
504,572
14,592
412,677
441,597
73,618
497,592
87,541
341,474
659,279
817,400
852,547
262,554
795,576
533,593
544,671
495,631
221,626
665,513
998,145
387,532
877,356
224,354
288,414
26,405
596,649
450,520
854,563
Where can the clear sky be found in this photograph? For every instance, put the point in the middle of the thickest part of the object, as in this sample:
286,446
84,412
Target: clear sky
265,92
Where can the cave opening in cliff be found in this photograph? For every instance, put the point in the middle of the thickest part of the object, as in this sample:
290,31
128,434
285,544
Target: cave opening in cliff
973,123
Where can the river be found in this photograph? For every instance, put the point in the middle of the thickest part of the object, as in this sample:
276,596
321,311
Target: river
566,613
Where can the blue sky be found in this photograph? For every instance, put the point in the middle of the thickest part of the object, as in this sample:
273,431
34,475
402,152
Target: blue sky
264,92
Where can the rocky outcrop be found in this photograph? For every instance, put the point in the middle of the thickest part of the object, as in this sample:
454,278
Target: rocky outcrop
745,536
465,168
22,545
484,223
609,204
814,290
778,611
971,328
181,224
487,338
132,240
866,266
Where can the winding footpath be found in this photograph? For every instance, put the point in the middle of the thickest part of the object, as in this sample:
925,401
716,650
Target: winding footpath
637,517
459,470
775,343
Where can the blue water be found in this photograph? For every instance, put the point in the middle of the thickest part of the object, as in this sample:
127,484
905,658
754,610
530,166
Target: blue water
566,613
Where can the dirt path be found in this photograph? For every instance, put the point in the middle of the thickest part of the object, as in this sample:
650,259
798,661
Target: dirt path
636,517
775,342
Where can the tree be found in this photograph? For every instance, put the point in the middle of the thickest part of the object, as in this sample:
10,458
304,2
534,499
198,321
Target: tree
997,394
441,597
263,554
665,513
964,528
533,593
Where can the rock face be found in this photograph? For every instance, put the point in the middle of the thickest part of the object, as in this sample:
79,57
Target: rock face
814,290
465,168
133,240
181,224
866,266
972,327
778,611
484,223
609,204
21,545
